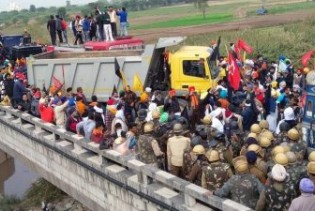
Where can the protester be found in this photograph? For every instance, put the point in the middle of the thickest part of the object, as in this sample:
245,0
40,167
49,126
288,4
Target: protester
59,28
64,27
51,27
240,141
79,30
123,17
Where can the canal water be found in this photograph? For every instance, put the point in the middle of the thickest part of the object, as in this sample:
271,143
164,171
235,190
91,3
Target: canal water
15,178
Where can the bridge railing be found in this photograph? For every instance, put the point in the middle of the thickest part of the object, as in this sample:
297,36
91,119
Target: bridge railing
146,174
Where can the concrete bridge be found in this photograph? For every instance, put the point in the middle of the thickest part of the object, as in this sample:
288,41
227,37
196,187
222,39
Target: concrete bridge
6,170
100,179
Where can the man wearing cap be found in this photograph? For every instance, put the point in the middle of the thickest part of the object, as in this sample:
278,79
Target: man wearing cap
148,148
201,161
145,98
19,89
218,143
176,145
216,173
241,187
140,120
278,194
297,146
251,157
171,104
305,202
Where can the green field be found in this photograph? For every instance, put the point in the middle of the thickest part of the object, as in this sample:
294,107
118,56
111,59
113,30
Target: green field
278,9
291,40
188,21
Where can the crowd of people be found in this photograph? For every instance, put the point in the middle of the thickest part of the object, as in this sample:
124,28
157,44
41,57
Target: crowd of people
245,145
102,26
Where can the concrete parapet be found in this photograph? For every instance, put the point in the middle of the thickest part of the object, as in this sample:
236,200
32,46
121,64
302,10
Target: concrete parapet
100,179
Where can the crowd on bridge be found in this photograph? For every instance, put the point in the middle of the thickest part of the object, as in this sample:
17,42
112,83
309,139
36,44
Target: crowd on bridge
243,144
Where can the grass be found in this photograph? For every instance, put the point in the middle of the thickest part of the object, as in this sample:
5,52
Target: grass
278,9
187,21
40,191
8,203
292,40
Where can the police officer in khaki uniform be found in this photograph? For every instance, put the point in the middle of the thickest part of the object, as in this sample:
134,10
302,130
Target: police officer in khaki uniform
216,173
176,146
241,187
260,163
201,161
265,143
148,148
251,157
140,120
278,194
296,145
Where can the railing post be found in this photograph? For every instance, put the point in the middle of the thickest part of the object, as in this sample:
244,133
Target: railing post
189,201
77,147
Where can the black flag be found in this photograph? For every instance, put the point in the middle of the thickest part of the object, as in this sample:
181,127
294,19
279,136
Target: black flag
216,51
117,70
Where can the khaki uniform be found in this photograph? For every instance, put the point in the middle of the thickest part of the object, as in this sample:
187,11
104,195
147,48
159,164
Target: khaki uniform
225,153
148,149
215,175
299,148
276,197
176,147
254,170
242,188
189,159
196,171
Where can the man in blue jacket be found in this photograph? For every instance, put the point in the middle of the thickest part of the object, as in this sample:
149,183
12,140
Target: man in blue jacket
86,29
123,21
18,89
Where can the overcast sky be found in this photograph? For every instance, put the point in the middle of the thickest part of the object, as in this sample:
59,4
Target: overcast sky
25,4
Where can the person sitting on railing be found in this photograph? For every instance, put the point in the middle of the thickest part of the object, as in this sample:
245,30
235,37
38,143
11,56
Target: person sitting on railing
98,133
19,89
35,103
86,127
121,144
60,114
46,111
25,104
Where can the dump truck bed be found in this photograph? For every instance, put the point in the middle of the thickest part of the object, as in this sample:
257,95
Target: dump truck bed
93,71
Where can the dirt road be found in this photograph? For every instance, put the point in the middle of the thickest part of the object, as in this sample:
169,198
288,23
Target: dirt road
151,35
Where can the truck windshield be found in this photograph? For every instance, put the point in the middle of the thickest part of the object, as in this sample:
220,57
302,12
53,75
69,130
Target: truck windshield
214,69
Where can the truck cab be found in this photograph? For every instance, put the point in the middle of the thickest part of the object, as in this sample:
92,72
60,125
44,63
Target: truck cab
190,66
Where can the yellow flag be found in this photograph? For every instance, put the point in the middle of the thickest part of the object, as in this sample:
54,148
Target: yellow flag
137,84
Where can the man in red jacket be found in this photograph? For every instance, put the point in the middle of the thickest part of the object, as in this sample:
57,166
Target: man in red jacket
46,112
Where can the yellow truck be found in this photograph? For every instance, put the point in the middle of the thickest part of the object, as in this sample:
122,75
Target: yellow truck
98,72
